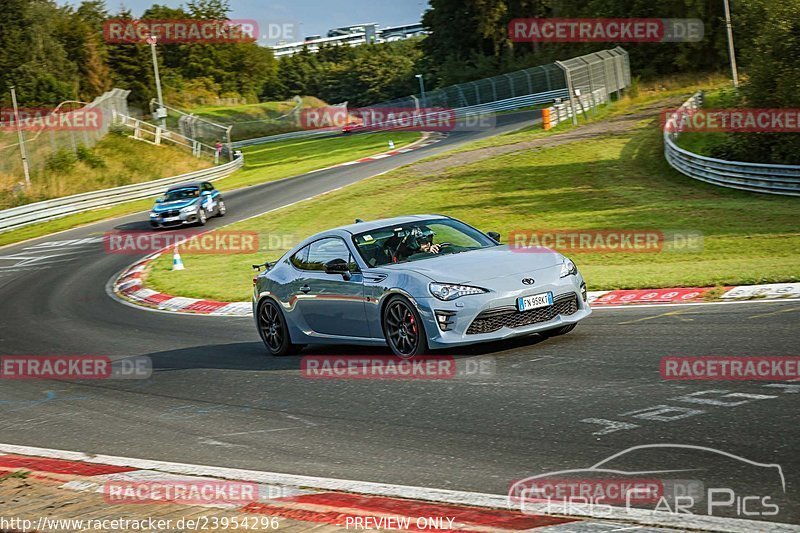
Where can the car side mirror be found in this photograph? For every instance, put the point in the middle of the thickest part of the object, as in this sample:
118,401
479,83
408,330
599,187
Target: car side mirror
159,200
494,235
338,266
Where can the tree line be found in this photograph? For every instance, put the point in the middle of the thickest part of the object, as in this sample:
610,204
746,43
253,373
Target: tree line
54,53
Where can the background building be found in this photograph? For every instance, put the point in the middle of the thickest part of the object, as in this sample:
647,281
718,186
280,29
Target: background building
354,35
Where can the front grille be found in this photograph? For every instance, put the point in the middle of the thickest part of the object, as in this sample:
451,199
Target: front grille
488,321
172,213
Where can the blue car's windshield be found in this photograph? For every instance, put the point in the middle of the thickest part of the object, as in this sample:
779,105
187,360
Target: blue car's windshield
418,240
181,194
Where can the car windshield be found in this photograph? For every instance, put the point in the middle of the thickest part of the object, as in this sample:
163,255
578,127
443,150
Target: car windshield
181,194
418,240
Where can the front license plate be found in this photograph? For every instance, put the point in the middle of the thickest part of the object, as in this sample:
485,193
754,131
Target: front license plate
526,303
171,219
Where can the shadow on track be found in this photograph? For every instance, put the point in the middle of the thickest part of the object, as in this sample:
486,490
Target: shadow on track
252,356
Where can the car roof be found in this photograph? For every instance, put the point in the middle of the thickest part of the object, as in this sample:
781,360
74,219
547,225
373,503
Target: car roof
187,185
371,225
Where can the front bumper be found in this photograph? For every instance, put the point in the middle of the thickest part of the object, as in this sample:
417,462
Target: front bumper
171,220
493,317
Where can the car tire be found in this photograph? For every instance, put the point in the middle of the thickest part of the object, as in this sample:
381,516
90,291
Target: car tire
221,209
273,330
563,330
403,329
201,217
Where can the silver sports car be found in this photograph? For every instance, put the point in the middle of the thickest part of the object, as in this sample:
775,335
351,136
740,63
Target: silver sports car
413,283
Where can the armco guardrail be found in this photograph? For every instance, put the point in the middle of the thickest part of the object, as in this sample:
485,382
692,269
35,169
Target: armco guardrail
753,177
25,215
285,136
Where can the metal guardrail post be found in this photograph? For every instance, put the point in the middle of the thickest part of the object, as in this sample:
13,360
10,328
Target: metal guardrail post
568,78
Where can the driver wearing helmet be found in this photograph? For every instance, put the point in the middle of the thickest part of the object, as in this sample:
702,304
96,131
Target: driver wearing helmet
417,240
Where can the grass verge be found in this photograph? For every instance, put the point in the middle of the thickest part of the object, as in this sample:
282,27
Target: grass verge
263,163
608,182
115,161
271,161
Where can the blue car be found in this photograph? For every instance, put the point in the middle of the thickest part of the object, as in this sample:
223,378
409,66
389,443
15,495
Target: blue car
413,283
187,203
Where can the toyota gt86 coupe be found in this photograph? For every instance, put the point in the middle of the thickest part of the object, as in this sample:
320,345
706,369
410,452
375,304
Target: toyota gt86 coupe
413,283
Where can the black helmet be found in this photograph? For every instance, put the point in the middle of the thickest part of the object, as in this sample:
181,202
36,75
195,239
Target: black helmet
417,236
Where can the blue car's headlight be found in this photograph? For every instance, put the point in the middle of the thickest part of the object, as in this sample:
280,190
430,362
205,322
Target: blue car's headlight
153,215
188,209
447,291
568,268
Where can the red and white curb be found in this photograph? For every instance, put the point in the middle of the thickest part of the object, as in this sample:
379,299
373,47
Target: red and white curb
339,502
426,140
680,295
130,286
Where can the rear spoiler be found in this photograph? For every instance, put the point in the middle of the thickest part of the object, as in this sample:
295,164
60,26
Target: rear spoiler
266,266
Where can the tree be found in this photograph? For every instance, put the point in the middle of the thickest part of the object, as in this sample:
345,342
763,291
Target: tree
773,79
86,50
132,68
39,66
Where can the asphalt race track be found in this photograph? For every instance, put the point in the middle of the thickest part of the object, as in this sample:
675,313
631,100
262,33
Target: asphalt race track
546,405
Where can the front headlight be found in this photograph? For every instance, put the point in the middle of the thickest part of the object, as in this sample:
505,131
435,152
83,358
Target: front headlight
568,268
189,209
153,215
447,291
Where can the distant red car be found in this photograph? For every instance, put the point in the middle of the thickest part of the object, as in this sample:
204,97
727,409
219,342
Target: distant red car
350,127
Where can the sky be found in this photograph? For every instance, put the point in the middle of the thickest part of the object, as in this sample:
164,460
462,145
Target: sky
315,17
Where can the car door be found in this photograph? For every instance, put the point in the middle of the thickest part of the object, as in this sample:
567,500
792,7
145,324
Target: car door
209,201
329,303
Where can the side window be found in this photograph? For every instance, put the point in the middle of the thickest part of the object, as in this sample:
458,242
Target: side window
208,187
300,258
324,250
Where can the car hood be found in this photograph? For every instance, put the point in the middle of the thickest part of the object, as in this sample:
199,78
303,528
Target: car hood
478,266
177,204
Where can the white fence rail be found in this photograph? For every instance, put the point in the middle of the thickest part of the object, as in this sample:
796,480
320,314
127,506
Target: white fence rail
753,177
25,215
144,131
